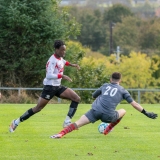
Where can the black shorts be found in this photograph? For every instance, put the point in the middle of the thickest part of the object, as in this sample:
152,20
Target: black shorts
94,116
50,91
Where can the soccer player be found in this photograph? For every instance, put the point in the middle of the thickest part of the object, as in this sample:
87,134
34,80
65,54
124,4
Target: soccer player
52,87
108,96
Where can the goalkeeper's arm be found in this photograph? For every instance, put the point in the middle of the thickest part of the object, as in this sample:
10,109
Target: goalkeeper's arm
138,107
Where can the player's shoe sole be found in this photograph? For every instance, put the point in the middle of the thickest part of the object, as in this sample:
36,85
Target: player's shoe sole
12,126
56,136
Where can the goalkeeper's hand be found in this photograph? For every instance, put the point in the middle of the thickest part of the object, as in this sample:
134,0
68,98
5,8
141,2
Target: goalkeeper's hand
150,114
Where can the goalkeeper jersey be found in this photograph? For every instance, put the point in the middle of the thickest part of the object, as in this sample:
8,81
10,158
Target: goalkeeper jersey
54,70
108,96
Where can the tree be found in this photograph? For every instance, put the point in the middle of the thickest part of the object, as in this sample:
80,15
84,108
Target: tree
116,13
126,35
150,37
75,53
91,75
137,70
156,72
145,11
27,33
111,17
93,30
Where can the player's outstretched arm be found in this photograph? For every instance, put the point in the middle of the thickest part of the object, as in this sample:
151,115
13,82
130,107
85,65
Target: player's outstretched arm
75,65
66,78
138,107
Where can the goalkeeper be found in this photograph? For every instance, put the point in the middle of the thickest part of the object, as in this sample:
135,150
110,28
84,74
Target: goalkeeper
108,96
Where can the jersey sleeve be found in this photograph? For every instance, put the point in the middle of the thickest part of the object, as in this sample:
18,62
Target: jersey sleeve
50,70
67,63
127,96
96,93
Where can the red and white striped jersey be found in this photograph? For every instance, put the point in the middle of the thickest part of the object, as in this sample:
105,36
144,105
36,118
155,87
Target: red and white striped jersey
54,70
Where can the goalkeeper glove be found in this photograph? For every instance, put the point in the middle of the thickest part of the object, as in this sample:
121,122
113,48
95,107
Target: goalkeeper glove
149,114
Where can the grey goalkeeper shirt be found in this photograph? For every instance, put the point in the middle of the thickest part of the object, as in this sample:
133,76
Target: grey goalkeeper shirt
108,96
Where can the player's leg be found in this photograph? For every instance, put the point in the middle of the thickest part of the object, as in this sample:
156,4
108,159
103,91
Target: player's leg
47,93
75,99
71,127
120,114
40,105
90,117
82,121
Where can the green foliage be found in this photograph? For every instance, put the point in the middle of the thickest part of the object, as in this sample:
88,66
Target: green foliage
93,30
74,54
130,31
135,75
27,33
91,75
138,71
126,34
150,97
146,10
135,34
156,72
29,28
75,51
116,13
150,39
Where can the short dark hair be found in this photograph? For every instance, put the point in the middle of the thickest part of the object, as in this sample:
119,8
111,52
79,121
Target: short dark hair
58,44
116,75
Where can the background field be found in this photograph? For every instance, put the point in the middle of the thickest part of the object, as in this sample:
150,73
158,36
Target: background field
135,138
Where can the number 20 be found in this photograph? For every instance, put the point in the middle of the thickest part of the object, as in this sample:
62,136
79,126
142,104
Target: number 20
112,92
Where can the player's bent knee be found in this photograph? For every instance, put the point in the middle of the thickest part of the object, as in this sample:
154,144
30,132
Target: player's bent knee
123,111
76,99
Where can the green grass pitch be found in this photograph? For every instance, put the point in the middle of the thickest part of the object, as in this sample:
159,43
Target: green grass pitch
136,137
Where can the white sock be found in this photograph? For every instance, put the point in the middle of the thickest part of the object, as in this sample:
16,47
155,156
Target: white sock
17,121
67,118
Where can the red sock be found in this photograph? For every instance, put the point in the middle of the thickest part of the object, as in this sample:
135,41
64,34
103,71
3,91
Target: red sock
69,128
111,125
